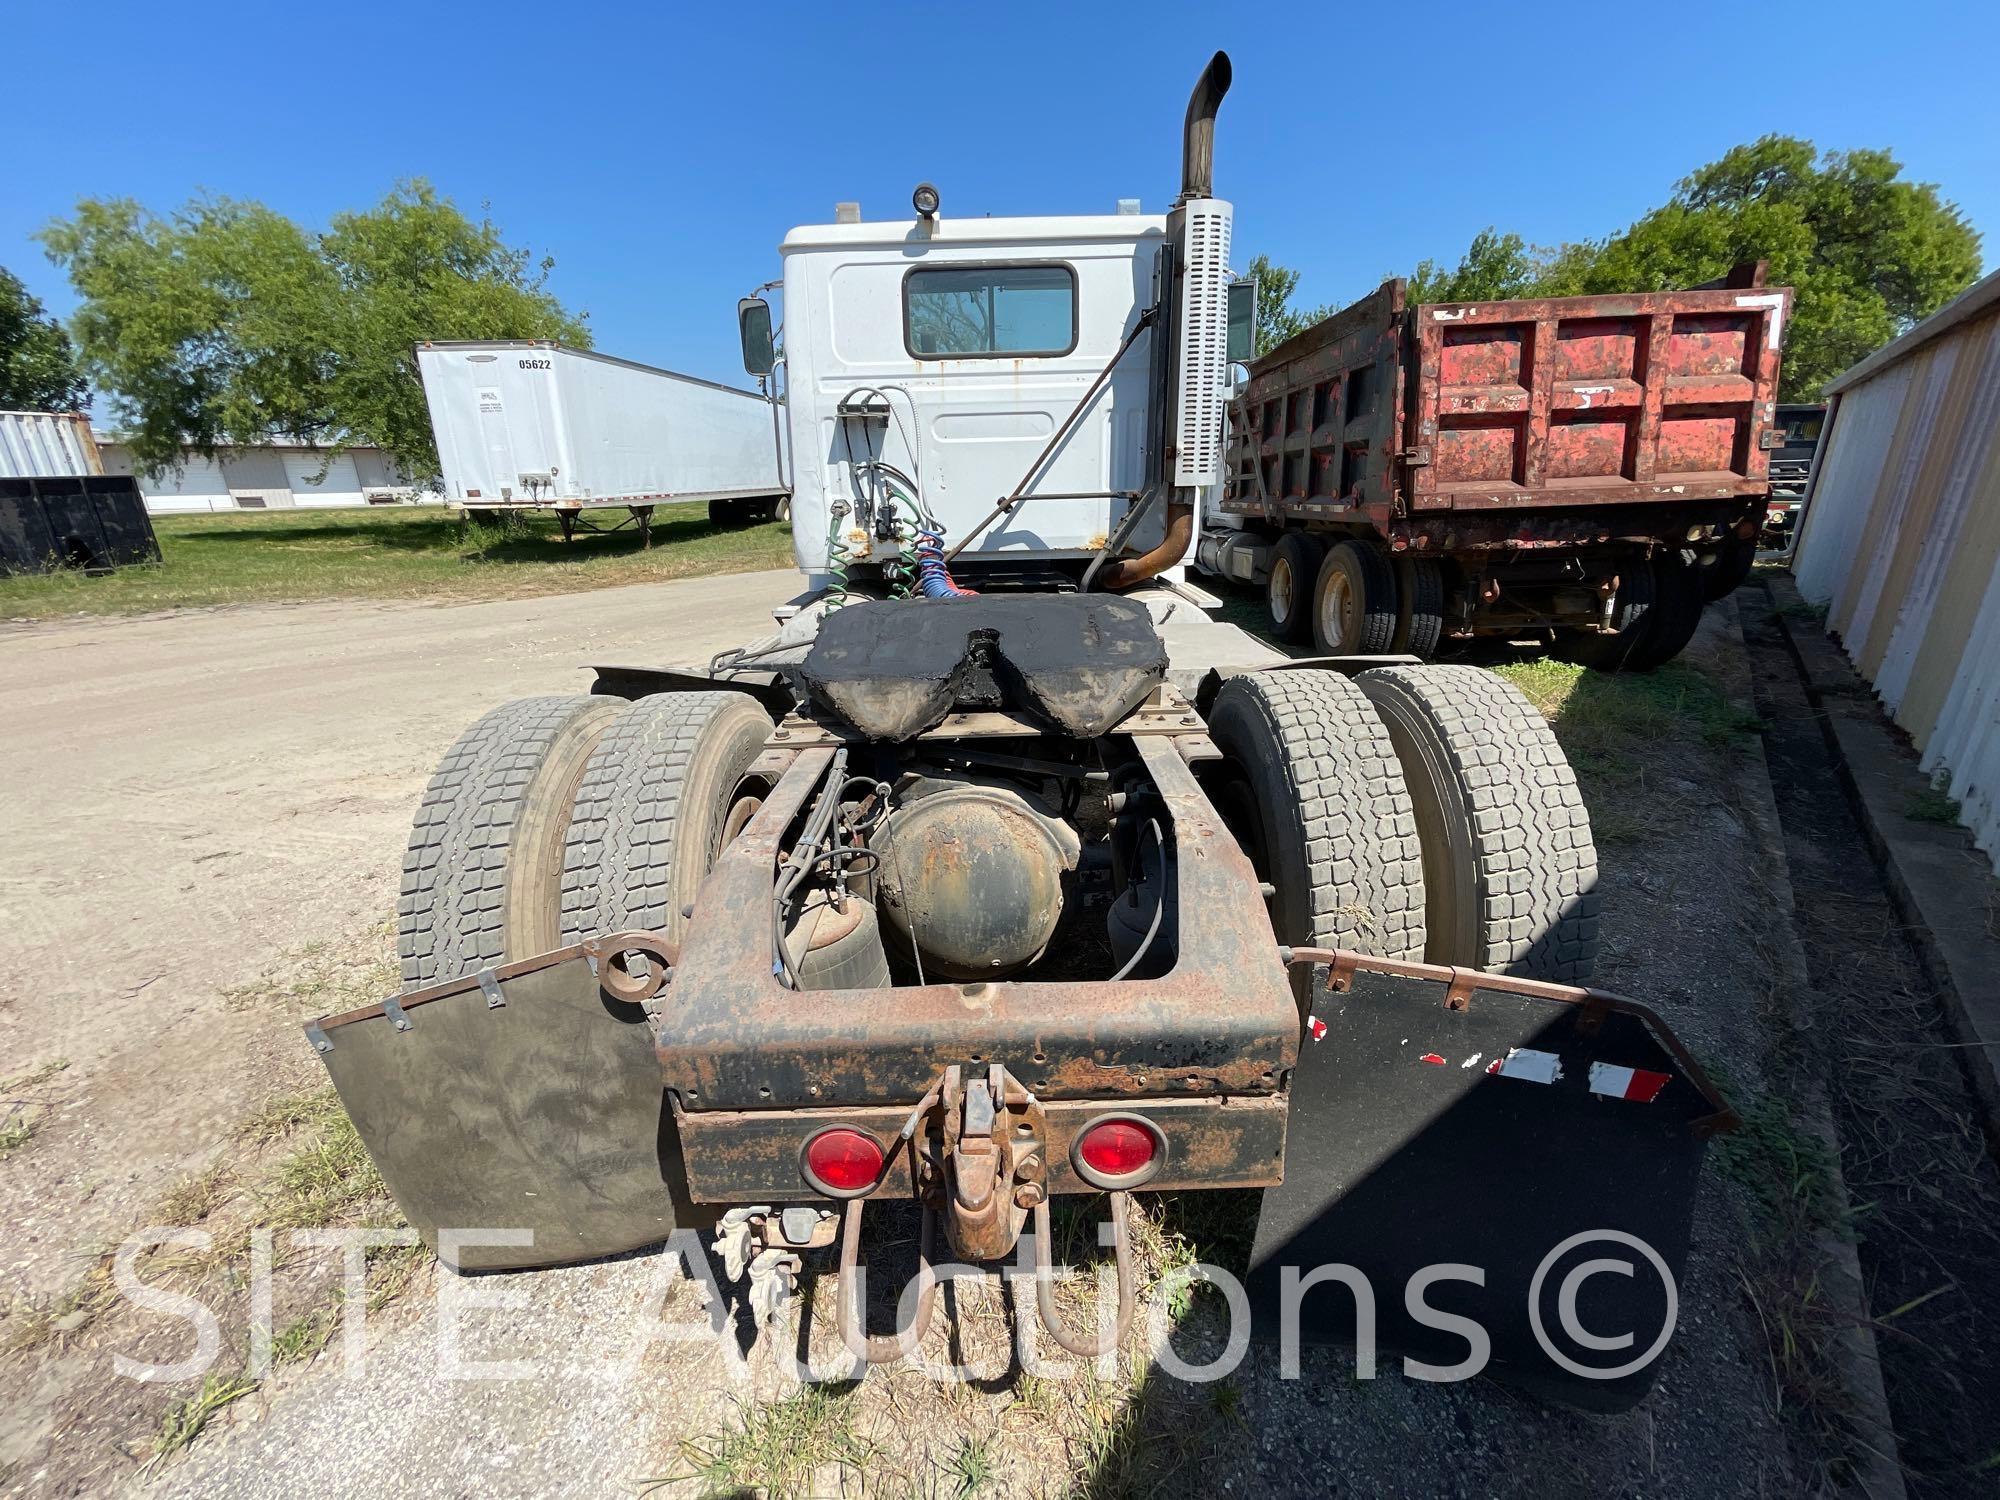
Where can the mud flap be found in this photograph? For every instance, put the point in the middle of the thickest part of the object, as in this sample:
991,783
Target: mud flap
1548,1136
524,1105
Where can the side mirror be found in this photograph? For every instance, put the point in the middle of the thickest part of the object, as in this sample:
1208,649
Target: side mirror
753,320
1242,320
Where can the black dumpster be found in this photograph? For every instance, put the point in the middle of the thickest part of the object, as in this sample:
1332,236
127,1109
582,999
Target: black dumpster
92,522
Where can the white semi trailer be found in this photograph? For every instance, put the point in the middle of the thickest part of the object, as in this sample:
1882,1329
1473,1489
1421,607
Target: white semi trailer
537,426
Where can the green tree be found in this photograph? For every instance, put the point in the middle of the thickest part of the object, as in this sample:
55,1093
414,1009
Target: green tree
1867,252
1276,319
38,370
1494,266
227,323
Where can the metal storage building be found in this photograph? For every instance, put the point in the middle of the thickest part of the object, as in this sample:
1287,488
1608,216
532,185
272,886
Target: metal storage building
1900,540
278,475
46,444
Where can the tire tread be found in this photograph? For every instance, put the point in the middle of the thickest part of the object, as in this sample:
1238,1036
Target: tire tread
1536,863
1344,789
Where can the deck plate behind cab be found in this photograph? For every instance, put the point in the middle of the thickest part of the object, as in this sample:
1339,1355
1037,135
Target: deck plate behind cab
891,669
1487,1136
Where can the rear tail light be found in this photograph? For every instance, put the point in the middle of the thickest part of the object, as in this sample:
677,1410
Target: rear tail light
842,1162
1118,1151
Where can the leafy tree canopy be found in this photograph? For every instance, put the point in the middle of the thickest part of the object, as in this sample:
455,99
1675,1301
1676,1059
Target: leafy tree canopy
226,323
1868,253
38,369
1277,320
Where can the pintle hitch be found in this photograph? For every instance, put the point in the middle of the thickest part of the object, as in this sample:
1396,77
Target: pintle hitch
987,1175
995,1160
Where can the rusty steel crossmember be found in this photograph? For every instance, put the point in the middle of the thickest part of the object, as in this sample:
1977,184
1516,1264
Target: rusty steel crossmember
1222,1022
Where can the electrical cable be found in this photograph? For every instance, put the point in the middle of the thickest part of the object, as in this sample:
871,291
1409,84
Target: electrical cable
1159,908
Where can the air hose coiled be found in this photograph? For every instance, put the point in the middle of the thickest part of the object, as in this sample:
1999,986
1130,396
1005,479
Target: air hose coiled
837,554
933,578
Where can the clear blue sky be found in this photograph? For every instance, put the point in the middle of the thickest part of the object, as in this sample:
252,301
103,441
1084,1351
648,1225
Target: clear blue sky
660,151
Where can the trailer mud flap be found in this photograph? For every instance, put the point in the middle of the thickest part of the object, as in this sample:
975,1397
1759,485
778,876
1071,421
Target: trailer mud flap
1448,1127
521,1108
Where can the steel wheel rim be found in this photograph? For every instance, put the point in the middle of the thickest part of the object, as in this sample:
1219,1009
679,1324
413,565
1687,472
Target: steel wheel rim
1281,590
1340,610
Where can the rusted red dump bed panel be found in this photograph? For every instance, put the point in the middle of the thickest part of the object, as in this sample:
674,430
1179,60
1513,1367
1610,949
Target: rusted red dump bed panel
1386,411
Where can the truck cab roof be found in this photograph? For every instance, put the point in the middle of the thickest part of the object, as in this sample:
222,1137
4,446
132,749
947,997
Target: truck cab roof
914,234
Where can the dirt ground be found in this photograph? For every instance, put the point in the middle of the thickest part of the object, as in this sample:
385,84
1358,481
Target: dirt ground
212,795
1914,1150
193,797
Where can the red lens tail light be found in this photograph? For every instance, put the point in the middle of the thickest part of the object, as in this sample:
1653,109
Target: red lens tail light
1118,1151
842,1162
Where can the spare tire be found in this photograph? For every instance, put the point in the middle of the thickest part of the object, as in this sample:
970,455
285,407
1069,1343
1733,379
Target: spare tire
1510,870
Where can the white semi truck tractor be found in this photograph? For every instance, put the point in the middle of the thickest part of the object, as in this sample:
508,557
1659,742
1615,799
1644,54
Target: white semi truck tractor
1001,871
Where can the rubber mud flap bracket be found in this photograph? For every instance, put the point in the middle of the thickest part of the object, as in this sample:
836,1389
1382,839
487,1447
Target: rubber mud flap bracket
1540,1135
396,1013
545,1113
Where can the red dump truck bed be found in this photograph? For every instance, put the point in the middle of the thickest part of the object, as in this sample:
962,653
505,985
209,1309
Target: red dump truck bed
1536,454
1409,411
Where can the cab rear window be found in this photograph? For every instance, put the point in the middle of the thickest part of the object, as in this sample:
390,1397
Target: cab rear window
987,312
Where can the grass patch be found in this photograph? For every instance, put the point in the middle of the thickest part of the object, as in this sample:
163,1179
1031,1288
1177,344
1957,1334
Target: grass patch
22,1104
1609,715
776,1449
971,1468
414,553
329,1179
1630,734
185,1420
281,1114
1932,804
322,979
1799,609
1790,1172
195,1196
34,1077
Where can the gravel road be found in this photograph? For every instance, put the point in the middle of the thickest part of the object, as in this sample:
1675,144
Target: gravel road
190,796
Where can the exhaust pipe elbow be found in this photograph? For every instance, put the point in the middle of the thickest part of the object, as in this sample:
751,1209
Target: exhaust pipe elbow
1198,133
1128,572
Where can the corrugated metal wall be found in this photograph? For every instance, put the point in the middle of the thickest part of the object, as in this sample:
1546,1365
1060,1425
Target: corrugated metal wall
46,445
1901,542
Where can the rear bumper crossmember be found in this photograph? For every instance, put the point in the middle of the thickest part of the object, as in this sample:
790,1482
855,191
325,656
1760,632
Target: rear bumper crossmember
1222,1024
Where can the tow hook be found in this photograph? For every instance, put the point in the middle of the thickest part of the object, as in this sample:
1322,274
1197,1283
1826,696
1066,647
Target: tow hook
995,1164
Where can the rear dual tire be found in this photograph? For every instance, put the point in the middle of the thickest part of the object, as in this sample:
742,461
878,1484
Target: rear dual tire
553,819
1410,812
1657,611
1349,599
1510,869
